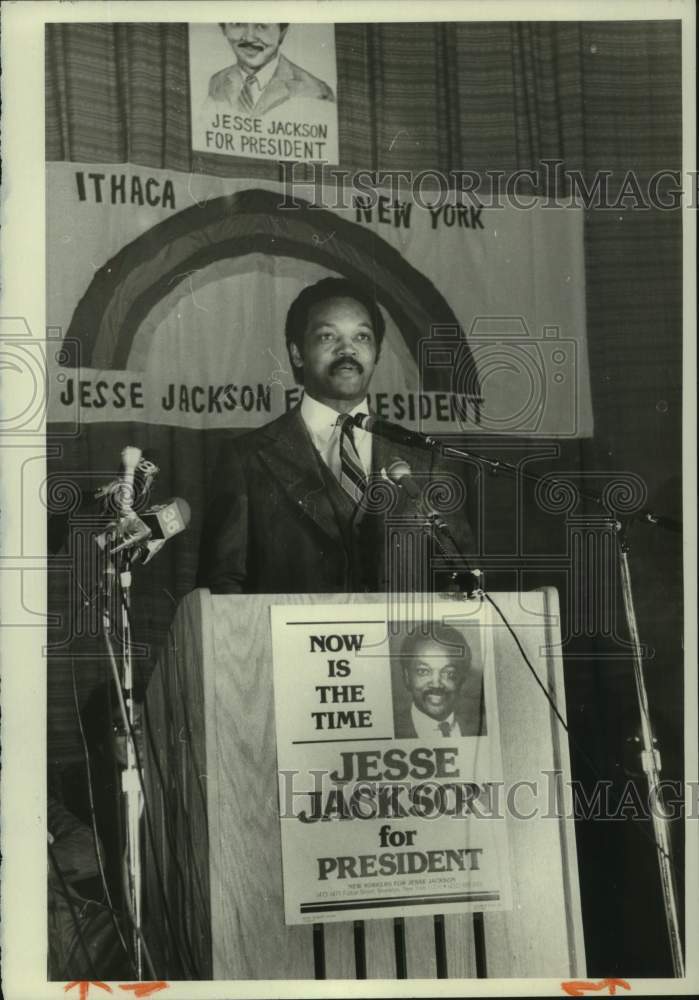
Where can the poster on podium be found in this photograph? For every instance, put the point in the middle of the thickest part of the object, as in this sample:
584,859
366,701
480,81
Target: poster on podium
389,763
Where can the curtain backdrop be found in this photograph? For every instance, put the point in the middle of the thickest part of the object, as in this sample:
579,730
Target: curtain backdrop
482,97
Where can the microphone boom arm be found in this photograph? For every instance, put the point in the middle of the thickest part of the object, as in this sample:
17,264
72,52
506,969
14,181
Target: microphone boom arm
649,754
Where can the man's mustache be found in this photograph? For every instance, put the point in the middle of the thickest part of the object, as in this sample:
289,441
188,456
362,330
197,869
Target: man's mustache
345,362
434,692
255,46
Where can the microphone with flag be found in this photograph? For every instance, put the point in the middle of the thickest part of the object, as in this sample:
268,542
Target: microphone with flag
143,535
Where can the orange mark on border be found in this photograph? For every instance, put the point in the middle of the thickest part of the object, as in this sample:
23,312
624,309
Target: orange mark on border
579,987
144,989
84,986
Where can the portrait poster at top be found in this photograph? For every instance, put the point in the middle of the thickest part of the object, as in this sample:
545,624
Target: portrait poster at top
389,760
264,91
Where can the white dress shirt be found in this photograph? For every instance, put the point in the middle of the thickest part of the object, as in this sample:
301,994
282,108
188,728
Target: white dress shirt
428,729
321,423
262,77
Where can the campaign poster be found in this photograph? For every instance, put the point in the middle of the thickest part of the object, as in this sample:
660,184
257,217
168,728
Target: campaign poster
171,306
264,91
389,763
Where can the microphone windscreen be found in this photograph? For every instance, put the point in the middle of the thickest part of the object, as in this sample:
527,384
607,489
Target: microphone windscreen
130,457
400,473
398,469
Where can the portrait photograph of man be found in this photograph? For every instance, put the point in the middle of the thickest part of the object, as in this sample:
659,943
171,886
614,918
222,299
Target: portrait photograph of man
437,684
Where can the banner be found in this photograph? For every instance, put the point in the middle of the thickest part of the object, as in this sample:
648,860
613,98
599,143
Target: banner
170,293
265,91
389,763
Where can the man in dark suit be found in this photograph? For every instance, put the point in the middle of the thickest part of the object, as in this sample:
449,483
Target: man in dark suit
435,669
304,504
262,78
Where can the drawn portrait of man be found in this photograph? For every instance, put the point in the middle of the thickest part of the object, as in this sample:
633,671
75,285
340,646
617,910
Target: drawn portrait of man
262,78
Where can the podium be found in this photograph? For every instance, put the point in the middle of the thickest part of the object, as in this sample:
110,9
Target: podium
212,847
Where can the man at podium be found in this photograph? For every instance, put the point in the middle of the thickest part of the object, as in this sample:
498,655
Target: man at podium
305,504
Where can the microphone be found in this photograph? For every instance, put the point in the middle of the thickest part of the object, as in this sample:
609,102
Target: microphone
130,457
395,433
400,473
146,534
168,519
129,492
460,579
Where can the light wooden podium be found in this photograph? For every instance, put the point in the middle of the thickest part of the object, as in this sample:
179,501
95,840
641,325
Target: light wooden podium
212,859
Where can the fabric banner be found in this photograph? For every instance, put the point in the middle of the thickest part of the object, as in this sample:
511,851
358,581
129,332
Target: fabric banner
170,292
265,91
389,760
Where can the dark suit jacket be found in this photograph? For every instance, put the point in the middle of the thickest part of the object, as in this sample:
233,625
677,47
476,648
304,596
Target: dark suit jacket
289,80
273,529
470,717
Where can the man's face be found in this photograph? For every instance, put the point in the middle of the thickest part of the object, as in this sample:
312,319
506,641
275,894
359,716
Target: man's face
254,44
339,353
434,677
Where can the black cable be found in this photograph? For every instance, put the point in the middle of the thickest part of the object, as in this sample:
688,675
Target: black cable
650,837
161,780
74,916
147,812
106,591
156,769
574,743
146,809
93,819
533,672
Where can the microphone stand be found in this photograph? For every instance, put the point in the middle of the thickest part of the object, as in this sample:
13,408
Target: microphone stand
118,571
650,756
130,779
650,759
129,532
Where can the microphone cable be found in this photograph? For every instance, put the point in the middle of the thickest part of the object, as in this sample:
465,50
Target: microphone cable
93,819
74,916
575,745
191,961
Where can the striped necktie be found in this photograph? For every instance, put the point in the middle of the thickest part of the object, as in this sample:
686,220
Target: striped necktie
247,98
352,476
